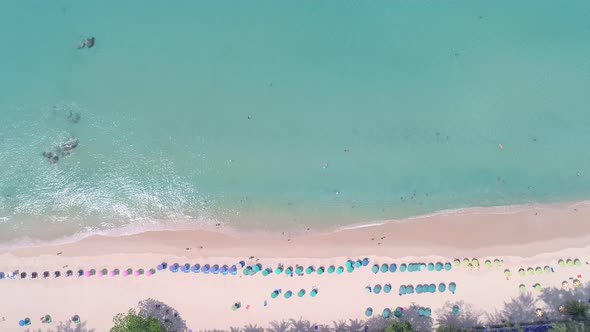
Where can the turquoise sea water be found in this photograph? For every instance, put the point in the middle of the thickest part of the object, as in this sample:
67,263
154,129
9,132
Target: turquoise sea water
276,114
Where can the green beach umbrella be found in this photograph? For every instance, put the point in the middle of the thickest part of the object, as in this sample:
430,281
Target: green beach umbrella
320,270
538,270
331,269
301,292
438,267
474,262
265,272
521,272
279,270
375,268
507,273
377,289
530,271
547,269
411,267
386,313
488,263
569,262
298,270
247,271
386,288
339,270
309,270
256,268
522,288
403,268
350,269
497,262
358,264
369,312
288,294
537,287
274,294
313,292
430,267
457,262
288,271
561,263
577,262
348,264
384,268
466,262
452,287
442,287
448,266
398,312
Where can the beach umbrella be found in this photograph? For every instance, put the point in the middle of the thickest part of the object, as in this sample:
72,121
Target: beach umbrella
136,273
488,263
375,268
331,269
99,273
438,267
34,275
561,262
409,289
207,268
301,292
309,270
104,272
386,313
384,268
427,312
474,262
87,274
288,294
242,264
577,262
547,269
369,312
497,262
403,268
442,287
288,271
421,312
507,273
150,272
419,289
521,272
350,269
21,322
448,266
430,267
455,310
321,270
386,288
398,312
159,267
358,264
452,287
27,321
431,288
522,288
402,290
411,267
530,271
569,262
174,267
537,287
339,270
377,289
113,273
392,267
298,270
279,270
266,272
80,273
365,261
75,319
124,273
274,294
466,262
457,262
233,270
538,270
246,271
23,275
313,292
256,268
196,268
368,289
348,264
215,269
422,267
2,275
46,319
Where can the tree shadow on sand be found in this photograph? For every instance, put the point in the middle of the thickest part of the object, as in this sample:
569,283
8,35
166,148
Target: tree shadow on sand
555,297
65,327
167,315
520,309
467,318
420,324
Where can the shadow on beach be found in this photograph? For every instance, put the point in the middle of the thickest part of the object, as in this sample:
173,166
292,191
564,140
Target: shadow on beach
65,327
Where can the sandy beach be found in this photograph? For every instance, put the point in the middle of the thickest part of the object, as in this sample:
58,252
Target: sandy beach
518,237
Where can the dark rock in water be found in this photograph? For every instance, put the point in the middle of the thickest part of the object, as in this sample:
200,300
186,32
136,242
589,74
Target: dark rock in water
74,117
90,42
69,145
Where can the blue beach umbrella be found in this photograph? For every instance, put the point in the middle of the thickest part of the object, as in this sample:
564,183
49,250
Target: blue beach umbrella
386,313
196,268
365,261
377,289
215,269
205,268
331,269
452,287
427,312
242,264
448,266
442,287
159,267
402,290
348,264
409,289
398,312
350,269
438,266
419,289
21,323
403,268
224,269
384,268
430,267
411,267
233,270
339,270
187,268
375,268
288,294
313,292
386,288
369,312
432,288
174,267
358,264
421,312
392,267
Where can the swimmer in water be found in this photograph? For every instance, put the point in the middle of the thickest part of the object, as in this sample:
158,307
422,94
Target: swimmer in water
51,157
87,43
69,145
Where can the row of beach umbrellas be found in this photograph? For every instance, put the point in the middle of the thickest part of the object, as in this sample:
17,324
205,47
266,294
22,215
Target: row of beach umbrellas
474,263
288,294
411,267
46,320
569,262
386,313
532,271
79,273
431,288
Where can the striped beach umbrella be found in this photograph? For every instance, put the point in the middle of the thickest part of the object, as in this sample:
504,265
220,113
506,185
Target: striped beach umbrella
375,268
369,312
448,266
430,267
442,287
392,267
313,292
339,270
452,287
365,261
331,269
384,268
377,289
403,268
387,288
301,292
386,313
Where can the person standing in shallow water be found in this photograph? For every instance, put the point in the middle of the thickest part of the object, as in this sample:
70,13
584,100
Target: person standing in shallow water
87,43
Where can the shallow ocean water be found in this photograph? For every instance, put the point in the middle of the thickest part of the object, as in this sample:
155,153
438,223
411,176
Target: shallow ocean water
274,115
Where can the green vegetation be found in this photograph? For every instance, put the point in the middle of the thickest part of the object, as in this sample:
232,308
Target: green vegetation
577,310
132,322
399,327
568,327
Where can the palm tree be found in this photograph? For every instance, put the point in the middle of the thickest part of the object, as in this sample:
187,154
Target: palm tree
340,326
577,310
356,325
275,326
252,328
301,325
235,329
